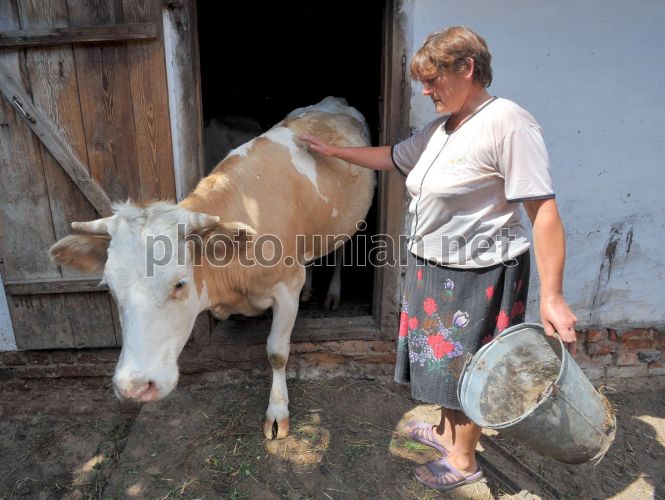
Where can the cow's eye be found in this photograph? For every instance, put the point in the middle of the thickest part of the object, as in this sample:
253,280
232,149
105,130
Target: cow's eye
180,284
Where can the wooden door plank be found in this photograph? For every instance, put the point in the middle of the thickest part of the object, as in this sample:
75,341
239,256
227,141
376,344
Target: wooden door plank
55,92
91,320
105,95
47,133
62,285
147,76
41,322
82,34
183,75
25,220
23,193
117,325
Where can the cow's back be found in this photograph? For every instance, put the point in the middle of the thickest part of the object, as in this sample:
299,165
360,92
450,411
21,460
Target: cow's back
274,184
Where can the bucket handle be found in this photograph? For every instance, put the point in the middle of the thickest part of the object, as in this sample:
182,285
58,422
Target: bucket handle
468,359
559,392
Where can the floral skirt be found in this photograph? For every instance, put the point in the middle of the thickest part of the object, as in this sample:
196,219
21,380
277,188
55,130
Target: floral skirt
447,315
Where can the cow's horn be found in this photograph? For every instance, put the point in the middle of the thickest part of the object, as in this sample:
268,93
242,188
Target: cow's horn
99,226
202,222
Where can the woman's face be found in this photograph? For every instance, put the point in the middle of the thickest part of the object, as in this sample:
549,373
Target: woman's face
449,90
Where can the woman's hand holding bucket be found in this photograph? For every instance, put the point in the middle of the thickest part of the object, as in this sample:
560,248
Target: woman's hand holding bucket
556,316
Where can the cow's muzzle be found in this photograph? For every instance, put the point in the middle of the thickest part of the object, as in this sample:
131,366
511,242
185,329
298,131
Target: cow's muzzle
137,390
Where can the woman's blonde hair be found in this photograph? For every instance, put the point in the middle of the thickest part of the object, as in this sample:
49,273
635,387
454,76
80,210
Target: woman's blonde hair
450,48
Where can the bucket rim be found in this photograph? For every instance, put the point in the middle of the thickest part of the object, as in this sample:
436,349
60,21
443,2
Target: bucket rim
481,352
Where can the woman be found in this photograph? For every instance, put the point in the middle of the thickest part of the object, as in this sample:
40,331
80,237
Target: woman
468,172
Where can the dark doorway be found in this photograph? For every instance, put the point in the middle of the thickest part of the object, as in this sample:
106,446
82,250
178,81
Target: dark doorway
261,61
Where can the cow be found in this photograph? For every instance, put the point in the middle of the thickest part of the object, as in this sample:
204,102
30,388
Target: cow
238,244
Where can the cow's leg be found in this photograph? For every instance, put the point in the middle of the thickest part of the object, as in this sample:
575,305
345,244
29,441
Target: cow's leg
307,289
334,289
285,309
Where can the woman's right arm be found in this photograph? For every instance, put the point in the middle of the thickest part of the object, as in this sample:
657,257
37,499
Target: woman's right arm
376,158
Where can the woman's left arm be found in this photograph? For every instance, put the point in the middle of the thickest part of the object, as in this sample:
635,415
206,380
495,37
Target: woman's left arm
550,252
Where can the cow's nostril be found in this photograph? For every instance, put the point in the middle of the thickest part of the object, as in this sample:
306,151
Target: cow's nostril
132,390
151,393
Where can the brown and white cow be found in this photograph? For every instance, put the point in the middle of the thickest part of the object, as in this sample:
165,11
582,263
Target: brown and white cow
270,190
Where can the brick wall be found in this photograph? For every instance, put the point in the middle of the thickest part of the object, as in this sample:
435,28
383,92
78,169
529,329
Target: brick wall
605,353
308,360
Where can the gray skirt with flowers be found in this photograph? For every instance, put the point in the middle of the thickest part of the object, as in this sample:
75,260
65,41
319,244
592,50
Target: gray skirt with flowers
447,315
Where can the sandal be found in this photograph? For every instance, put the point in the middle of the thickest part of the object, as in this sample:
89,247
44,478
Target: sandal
446,477
424,434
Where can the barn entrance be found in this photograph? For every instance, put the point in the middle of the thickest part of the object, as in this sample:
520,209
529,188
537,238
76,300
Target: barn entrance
258,65
101,101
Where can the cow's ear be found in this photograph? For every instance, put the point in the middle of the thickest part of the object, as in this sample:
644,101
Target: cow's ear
85,252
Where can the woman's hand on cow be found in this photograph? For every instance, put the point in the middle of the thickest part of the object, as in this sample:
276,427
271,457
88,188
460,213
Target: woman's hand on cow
375,158
557,316
318,145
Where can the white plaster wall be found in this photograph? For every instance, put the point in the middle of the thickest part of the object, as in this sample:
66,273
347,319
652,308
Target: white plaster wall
7,340
592,74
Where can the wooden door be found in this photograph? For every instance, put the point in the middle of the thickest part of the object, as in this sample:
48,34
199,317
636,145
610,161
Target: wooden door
85,118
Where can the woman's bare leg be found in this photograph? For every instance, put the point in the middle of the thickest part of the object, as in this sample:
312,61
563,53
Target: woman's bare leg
467,434
464,435
445,429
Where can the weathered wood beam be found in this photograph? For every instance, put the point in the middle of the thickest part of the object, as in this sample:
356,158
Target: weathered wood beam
47,286
83,34
47,132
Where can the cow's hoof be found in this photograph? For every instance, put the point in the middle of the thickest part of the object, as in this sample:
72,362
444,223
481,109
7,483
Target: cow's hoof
332,302
306,294
276,429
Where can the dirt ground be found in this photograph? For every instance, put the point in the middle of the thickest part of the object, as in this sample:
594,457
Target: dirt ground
71,439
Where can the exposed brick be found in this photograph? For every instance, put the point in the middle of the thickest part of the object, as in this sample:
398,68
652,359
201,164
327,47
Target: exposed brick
98,356
603,359
596,335
79,370
305,347
658,333
657,368
626,371
375,359
36,371
636,333
659,343
594,372
581,356
38,357
649,356
612,334
594,361
324,358
64,357
12,358
7,373
601,347
624,358
639,344
580,335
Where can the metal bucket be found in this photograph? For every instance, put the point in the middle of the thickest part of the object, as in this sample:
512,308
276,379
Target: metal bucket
526,385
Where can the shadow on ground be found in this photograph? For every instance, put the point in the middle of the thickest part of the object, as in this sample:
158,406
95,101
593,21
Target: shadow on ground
66,439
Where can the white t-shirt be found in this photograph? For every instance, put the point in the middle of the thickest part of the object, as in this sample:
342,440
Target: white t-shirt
466,185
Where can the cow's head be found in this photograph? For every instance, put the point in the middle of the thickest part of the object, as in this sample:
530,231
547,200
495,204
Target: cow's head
147,255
